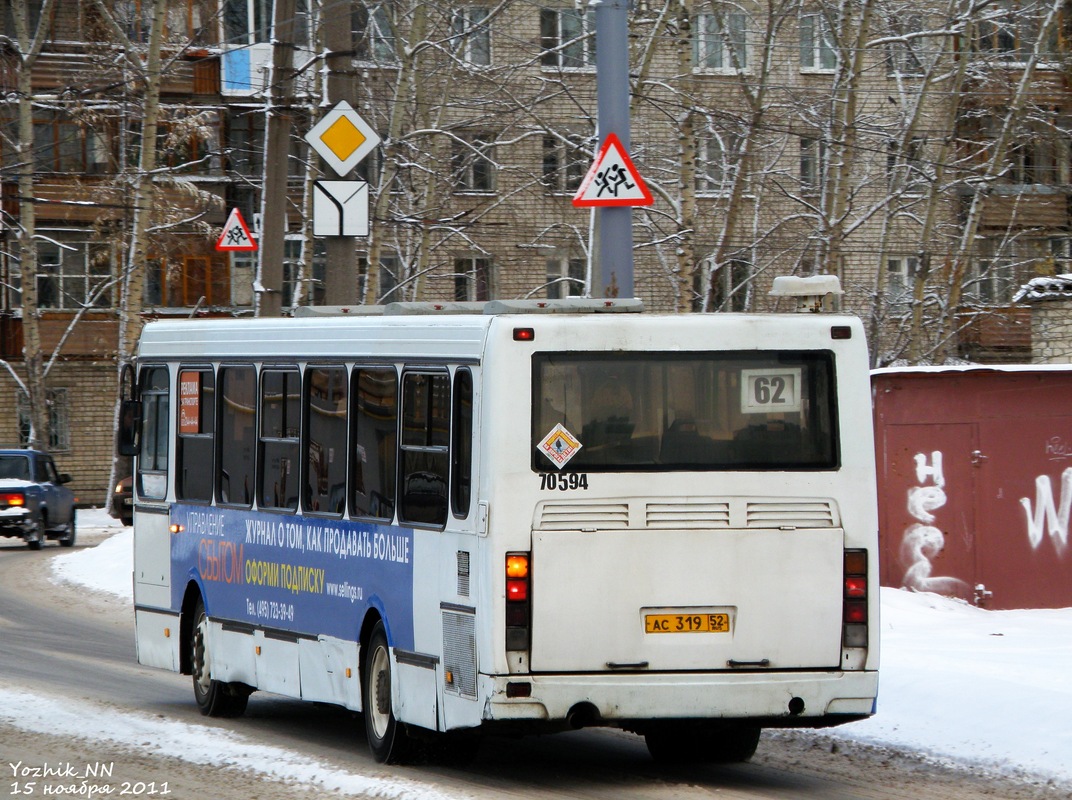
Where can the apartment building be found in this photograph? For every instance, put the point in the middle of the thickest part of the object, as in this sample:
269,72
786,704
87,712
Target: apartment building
922,158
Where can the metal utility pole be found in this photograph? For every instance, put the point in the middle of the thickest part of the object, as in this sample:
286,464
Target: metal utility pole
269,287
612,90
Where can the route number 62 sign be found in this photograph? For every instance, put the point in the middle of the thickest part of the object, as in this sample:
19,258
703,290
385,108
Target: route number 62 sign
766,391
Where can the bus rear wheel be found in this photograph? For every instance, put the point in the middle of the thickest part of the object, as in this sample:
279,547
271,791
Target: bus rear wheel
687,742
214,698
387,737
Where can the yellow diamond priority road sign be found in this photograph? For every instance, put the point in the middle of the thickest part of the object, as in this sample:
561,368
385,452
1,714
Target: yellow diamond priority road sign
342,138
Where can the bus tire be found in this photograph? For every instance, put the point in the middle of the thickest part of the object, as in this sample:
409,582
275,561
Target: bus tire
702,742
214,698
387,737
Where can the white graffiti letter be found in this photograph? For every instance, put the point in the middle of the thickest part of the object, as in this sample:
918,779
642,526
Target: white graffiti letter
933,472
924,542
1047,517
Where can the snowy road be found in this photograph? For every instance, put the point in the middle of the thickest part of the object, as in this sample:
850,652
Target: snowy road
75,699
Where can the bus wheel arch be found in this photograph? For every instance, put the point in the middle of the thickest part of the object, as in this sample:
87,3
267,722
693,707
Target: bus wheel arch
186,626
214,698
388,738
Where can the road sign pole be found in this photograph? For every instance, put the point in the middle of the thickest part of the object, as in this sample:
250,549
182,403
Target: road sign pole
615,246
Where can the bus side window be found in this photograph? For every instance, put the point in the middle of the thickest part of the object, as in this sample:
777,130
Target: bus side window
280,429
197,430
424,448
461,451
325,441
153,456
374,395
237,435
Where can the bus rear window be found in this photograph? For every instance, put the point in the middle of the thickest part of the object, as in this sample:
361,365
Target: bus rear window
688,411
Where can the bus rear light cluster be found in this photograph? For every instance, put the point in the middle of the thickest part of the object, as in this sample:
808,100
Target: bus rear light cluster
518,582
854,632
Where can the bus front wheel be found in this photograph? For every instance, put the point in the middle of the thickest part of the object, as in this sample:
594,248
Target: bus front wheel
387,737
214,698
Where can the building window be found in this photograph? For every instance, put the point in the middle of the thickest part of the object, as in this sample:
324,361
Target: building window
472,277
566,277
901,274
1012,30
716,162
905,168
185,281
565,162
72,275
245,142
472,35
812,165
473,165
1034,159
63,145
904,50
390,278
817,50
184,20
302,286
728,285
567,37
247,21
374,33
1003,265
59,420
190,143
721,41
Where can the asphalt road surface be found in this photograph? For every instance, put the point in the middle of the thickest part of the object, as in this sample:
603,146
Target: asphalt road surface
60,641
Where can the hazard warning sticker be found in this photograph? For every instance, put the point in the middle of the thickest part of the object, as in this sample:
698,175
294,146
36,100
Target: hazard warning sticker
559,445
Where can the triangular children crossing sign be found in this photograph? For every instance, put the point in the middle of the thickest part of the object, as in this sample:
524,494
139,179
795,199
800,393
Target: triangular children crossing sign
236,235
612,179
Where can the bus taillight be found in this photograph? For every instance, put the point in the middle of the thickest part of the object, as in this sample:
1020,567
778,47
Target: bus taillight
854,616
517,601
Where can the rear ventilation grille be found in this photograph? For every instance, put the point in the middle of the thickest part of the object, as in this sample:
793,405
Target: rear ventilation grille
582,516
689,513
790,514
685,515
459,653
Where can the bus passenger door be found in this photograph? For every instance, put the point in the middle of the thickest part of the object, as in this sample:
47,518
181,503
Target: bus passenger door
152,541
459,560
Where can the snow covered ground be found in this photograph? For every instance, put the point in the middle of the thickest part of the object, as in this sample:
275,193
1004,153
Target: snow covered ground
989,690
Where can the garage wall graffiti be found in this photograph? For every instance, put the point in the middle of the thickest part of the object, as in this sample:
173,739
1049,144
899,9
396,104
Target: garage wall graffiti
923,542
975,482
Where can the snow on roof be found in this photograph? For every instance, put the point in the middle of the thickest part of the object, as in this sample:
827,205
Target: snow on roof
971,368
1058,287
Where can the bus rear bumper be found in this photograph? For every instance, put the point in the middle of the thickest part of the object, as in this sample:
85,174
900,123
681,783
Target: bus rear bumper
792,699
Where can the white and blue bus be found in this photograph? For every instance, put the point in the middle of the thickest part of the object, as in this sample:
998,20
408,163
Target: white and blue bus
519,517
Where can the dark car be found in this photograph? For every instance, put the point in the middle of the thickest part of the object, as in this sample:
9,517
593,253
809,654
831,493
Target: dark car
122,505
35,505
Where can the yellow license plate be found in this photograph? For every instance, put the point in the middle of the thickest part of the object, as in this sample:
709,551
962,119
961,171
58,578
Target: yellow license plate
686,623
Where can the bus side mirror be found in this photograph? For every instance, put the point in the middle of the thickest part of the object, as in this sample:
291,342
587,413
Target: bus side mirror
129,422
